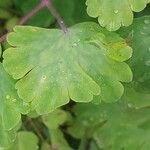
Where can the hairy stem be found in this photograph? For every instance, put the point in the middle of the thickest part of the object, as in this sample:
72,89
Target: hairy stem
49,5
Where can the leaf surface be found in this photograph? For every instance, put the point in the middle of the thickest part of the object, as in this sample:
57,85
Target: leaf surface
53,121
25,140
137,94
54,67
11,106
113,14
138,35
113,126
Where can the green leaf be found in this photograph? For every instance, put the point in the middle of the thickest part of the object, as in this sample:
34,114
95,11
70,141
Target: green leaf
56,118
80,15
7,137
58,141
138,35
25,140
144,12
6,3
4,14
11,106
113,137
87,120
45,146
53,121
122,130
114,14
43,18
135,98
114,126
75,65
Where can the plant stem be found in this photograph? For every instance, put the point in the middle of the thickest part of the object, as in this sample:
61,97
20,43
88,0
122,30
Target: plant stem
31,13
3,37
26,18
43,4
48,4
36,129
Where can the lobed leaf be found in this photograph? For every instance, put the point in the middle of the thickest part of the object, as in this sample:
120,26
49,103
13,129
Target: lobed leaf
134,98
113,126
113,14
138,35
7,137
11,106
53,121
25,140
56,118
53,67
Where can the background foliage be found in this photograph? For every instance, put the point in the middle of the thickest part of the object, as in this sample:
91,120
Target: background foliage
87,89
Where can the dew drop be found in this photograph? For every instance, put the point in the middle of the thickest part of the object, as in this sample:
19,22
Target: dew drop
136,107
91,28
61,22
34,30
7,96
147,63
119,133
111,26
132,33
74,44
141,79
130,105
85,123
144,28
25,104
43,77
70,74
142,32
91,119
149,49
14,100
116,11
146,21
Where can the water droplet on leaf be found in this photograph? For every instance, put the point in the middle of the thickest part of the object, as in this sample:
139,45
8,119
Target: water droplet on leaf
14,100
143,33
91,119
130,105
147,63
115,11
43,77
74,44
146,21
25,104
7,96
